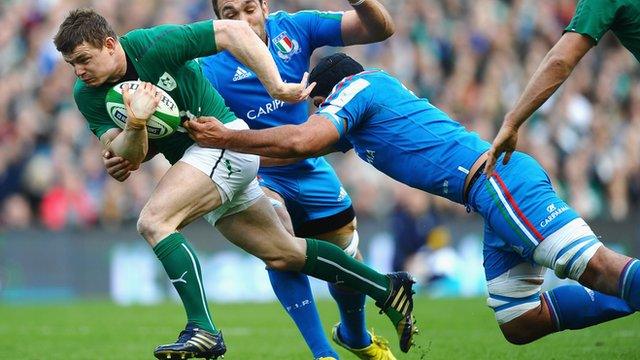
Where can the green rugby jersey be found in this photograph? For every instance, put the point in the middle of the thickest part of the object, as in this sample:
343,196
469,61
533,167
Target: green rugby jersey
163,55
594,17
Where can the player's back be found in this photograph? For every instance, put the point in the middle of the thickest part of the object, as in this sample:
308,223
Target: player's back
404,136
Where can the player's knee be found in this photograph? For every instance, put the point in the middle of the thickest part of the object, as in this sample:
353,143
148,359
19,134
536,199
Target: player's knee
568,250
282,262
514,294
516,336
289,258
152,227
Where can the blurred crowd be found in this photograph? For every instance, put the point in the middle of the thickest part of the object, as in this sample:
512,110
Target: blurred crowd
470,58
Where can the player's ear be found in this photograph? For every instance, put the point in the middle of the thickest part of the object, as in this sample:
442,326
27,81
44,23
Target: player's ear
110,43
264,4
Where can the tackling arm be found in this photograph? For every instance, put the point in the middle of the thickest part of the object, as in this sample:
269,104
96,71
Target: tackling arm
312,138
237,37
369,22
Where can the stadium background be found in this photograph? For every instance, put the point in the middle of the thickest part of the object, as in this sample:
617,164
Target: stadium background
67,230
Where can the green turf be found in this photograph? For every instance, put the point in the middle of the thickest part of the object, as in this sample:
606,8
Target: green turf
451,329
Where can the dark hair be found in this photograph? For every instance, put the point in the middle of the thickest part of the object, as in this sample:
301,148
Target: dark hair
82,25
214,3
330,71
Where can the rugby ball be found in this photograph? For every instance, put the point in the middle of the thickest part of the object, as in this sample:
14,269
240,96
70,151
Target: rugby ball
162,123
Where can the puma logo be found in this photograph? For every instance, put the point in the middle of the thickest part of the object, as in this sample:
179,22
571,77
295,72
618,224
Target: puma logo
180,279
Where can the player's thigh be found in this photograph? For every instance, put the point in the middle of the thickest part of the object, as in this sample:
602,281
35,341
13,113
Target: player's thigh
258,231
278,203
314,197
183,193
521,206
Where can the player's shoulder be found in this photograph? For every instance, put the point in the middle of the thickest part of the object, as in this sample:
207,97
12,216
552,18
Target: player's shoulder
302,16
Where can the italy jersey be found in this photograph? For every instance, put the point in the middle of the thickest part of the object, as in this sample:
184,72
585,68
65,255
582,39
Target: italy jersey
292,38
162,55
402,135
314,197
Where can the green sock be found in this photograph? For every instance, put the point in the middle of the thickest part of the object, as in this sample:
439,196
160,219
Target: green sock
328,262
182,266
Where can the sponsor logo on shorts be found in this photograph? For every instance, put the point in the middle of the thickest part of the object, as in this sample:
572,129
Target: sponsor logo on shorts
230,168
553,213
371,156
343,194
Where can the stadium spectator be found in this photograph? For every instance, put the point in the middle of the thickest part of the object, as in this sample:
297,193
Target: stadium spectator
471,58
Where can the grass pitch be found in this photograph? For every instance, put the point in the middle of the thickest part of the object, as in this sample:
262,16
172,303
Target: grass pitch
450,329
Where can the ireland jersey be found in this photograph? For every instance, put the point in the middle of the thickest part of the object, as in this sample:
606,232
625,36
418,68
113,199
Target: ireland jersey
291,41
163,56
402,135
595,17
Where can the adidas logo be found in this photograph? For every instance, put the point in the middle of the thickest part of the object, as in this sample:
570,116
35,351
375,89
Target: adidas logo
241,74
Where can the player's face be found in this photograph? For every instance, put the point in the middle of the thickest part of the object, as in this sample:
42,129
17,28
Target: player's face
93,65
318,100
253,12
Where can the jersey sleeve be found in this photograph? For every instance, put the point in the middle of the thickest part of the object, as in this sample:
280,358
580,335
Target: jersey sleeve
347,106
593,18
323,28
174,44
94,110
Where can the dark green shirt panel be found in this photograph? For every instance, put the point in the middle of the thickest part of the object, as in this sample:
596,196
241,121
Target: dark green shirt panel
172,45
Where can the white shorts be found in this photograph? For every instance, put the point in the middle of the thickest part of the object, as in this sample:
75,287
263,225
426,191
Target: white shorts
233,173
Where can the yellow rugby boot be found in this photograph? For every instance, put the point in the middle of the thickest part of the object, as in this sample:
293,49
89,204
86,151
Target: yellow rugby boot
378,350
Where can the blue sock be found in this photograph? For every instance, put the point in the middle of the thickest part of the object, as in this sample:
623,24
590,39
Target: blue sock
294,292
629,284
353,328
576,307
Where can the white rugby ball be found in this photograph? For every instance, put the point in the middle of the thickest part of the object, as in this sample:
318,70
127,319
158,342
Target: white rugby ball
162,123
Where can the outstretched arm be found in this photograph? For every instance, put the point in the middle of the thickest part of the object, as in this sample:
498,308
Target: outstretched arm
555,68
237,37
315,136
369,22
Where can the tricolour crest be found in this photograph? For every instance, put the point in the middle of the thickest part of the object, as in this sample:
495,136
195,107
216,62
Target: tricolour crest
286,46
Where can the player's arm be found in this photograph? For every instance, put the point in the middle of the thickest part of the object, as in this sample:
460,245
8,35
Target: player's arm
555,68
132,143
314,137
368,22
237,37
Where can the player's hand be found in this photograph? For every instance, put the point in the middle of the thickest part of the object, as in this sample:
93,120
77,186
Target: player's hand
117,167
292,92
207,131
505,142
141,103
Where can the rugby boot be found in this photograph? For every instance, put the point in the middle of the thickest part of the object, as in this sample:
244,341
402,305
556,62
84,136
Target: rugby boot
399,307
193,343
377,350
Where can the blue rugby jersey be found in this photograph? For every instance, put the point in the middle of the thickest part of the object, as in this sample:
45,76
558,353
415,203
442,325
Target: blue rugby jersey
402,135
291,41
